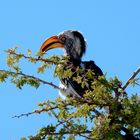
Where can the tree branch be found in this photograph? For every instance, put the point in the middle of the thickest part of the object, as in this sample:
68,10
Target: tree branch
50,109
87,138
33,77
35,112
36,59
69,132
131,78
42,110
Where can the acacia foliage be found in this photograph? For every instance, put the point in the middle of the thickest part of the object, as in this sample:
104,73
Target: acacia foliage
105,112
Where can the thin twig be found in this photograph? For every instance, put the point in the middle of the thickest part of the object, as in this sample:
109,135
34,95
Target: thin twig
87,138
67,121
131,78
33,77
67,132
52,110
35,112
40,111
36,59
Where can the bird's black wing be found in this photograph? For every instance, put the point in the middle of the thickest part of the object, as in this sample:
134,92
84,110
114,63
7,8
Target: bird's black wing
91,65
85,66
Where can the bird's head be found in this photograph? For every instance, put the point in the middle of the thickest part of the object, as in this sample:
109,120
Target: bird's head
71,40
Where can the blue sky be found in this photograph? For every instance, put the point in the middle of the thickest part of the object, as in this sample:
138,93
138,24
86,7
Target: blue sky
112,31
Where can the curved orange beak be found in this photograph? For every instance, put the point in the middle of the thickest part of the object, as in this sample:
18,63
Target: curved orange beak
50,43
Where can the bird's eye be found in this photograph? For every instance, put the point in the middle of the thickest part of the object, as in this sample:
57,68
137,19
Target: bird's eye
62,38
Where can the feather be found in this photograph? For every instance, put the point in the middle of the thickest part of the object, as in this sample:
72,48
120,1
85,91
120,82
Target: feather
73,88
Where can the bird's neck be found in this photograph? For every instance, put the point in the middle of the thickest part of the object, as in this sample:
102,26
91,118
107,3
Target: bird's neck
75,62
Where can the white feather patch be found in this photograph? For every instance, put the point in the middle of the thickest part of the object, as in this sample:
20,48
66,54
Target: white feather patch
67,91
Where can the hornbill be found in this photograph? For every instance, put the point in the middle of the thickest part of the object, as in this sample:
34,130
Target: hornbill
74,46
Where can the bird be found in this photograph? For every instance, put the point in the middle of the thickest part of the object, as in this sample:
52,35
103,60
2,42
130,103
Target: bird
74,45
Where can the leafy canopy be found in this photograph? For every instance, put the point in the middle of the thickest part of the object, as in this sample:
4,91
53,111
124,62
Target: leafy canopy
106,112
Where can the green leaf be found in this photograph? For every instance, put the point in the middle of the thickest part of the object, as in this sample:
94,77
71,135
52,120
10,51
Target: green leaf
3,76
